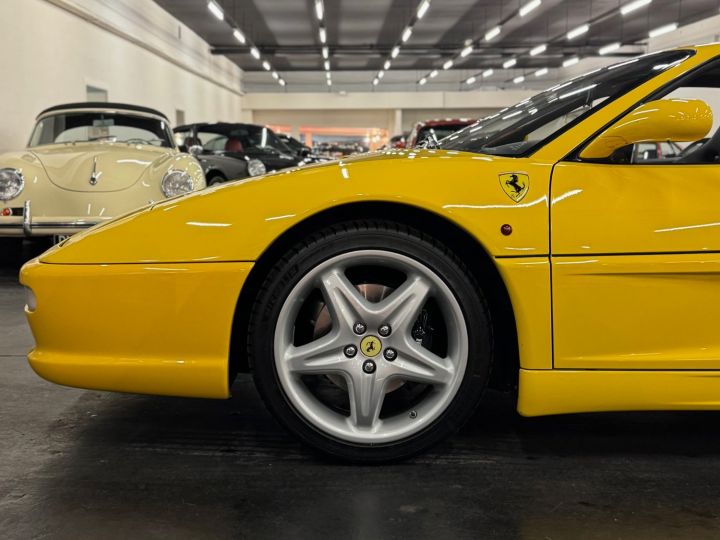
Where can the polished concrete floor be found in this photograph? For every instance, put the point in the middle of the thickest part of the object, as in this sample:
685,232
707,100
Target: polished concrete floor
80,464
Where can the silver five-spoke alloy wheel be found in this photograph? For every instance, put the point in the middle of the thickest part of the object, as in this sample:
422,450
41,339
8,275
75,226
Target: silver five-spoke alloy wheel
372,347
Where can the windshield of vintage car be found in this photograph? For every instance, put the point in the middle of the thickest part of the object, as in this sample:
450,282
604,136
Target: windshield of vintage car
95,126
521,129
240,138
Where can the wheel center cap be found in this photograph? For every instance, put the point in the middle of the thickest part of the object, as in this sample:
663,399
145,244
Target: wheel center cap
370,346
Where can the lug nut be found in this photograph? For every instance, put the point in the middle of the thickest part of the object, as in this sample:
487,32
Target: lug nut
384,330
350,351
369,366
390,354
359,328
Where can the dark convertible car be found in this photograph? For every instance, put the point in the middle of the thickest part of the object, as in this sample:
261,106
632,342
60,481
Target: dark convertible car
231,151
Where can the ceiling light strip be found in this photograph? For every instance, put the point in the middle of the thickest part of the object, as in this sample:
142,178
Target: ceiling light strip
407,33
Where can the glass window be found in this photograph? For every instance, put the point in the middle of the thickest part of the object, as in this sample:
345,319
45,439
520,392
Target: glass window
93,126
240,138
521,129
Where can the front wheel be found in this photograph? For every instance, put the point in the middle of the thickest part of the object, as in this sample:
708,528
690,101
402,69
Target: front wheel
370,342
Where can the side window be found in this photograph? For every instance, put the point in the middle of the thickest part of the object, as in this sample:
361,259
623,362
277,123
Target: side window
673,149
212,142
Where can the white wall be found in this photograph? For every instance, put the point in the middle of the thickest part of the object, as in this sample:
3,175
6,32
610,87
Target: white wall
132,48
393,111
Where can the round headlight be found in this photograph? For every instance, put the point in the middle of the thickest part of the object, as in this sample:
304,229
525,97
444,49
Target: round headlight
11,184
256,167
176,183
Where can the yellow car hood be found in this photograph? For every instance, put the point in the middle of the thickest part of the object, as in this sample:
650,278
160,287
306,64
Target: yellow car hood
117,166
238,221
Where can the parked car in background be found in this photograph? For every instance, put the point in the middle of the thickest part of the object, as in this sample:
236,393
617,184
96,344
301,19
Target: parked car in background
435,130
87,163
303,151
398,141
258,147
216,167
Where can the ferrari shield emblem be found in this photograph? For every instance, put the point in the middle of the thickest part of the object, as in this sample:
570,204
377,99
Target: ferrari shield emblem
515,185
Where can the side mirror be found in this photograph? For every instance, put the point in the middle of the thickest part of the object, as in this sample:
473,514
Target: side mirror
195,150
676,120
305,151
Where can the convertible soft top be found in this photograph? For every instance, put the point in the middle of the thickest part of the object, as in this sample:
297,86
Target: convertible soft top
103,105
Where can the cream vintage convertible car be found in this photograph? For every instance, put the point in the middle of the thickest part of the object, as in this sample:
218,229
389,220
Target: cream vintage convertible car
89,162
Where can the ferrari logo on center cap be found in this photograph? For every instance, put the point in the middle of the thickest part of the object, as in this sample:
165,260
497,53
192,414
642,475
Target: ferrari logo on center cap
515,185
370,346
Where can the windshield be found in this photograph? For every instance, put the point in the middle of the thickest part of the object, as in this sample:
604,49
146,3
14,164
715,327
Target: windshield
519,130
440,131
239,138
64,128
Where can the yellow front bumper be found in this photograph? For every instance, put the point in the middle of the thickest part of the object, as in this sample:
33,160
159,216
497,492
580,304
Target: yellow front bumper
144,328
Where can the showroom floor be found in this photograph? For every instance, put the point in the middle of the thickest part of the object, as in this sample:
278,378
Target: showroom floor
77,464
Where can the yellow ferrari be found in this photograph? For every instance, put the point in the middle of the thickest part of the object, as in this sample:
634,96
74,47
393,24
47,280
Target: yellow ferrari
375,298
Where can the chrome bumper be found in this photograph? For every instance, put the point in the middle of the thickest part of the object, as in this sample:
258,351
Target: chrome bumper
29,226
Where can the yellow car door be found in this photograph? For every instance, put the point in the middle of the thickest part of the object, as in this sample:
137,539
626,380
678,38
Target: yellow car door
635,244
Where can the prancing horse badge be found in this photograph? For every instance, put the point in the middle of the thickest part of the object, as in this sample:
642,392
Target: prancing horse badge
515,185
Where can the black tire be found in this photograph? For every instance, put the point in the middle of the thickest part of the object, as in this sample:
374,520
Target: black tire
348,237
216,179
11,251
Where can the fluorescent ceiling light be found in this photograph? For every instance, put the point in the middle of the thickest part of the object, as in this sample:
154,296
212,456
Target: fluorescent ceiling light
433,73
632,6
541,72
281,82
422,8
325,53
323,35
487,72
493,33
607,49
216,10
538,50
266,65
380,74
519,79
406,34
329,82
255,53
327,65
663,30
509,63
275,75
448,64
467,50
571,61
527,8
422,81
470,80
376,81
327,75
395,52
239,36
579,31
387,64
319,9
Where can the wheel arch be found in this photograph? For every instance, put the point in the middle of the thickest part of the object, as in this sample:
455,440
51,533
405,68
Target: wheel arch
506,355
212,173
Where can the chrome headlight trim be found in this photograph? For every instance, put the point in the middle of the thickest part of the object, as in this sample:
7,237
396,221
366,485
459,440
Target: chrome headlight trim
176,182
12,183
256,167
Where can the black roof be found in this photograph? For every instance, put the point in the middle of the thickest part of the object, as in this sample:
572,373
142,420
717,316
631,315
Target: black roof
103,105
215,125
